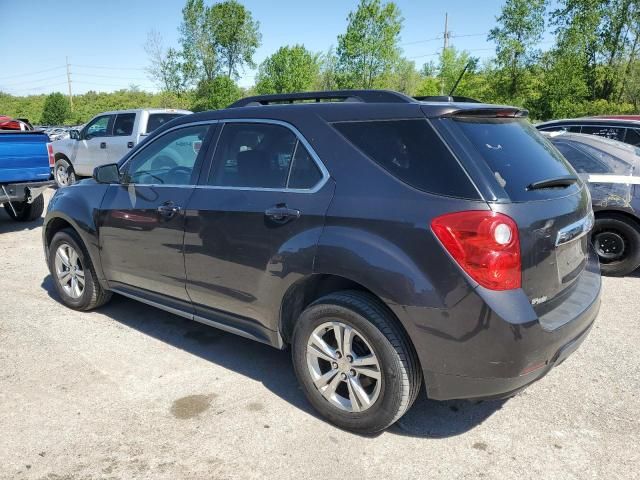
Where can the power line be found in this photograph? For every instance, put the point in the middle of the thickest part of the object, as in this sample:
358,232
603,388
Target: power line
107,68
470,35
37,80
32,73
421,41
82,74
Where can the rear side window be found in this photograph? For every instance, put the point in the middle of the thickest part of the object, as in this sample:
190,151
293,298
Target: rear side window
562,128
579,160
156,120
123,126
517,154
411,151
614,133
632,137
305,174
256,155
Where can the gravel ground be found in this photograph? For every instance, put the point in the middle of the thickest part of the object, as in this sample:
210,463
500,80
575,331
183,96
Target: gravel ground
132,392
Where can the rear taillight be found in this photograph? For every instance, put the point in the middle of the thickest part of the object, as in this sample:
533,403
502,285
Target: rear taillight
485,244
52,158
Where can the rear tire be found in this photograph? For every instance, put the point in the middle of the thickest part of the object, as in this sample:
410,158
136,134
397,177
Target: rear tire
377,347
73,273
26,212
617,243
64,173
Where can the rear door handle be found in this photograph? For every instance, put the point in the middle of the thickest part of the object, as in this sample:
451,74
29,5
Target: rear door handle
281,214
129,144
168,209
103,144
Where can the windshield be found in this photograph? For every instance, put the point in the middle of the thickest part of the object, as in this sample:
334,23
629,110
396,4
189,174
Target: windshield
517,154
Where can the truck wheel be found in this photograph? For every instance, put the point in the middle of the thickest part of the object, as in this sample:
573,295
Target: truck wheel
617,243
26,212
64,173
354,362
73,273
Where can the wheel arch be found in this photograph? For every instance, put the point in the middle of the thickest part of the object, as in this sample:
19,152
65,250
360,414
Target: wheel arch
619,215
312,287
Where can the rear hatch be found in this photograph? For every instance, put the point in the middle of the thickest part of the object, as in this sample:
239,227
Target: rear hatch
523,176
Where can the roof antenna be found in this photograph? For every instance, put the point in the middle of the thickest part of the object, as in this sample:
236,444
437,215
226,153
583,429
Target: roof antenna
460,77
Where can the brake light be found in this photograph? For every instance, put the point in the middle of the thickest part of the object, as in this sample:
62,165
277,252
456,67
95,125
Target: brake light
485,244
52,159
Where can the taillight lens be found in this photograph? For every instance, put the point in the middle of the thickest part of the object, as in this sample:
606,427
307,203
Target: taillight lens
485,244
52,159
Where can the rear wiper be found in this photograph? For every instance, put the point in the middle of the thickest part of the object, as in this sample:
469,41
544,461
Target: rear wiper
563,181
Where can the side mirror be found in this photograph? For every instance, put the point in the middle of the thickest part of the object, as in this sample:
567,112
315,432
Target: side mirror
74,134
107,173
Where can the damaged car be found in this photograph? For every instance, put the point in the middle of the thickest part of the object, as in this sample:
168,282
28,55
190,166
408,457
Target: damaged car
611,170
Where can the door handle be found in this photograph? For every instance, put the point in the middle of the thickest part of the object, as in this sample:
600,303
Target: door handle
168,209
103,144
281,213
129,144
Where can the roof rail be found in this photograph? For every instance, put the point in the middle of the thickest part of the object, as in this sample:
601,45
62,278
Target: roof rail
446,98
362,96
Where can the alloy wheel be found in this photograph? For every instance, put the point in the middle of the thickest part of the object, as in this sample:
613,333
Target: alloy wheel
343,366
69,271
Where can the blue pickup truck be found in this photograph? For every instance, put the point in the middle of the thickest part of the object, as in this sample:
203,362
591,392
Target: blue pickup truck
26,161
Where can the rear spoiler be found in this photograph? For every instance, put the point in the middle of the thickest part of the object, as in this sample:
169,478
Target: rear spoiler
490,112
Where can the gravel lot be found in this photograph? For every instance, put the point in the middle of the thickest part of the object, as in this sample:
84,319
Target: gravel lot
132,392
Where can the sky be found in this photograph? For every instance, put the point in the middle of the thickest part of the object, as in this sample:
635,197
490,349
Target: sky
104,41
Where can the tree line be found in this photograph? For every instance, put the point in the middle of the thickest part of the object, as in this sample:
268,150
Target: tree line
592,66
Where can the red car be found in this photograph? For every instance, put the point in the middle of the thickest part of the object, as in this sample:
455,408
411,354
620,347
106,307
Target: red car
8,123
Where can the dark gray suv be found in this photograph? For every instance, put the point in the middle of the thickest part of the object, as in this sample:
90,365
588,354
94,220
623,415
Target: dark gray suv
389,241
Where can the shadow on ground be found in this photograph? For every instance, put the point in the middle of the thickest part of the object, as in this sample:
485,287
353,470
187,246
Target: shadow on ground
7,224
273,367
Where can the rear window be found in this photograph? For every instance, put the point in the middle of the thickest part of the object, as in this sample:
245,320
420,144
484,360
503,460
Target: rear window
411,151
156,120
517,154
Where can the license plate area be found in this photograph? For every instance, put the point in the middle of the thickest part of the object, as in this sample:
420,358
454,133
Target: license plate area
571,258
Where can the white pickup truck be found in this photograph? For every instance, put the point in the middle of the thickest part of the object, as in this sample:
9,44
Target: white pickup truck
106,138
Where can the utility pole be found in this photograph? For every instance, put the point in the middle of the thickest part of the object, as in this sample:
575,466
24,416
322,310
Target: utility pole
444,48
69,84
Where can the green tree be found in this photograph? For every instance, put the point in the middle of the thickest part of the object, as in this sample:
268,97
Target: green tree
217,93
369,48
519,31
451,65
327,76
290,69
198,42
236,34
166,68
56,109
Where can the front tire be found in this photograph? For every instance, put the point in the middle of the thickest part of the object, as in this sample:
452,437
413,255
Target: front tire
73,273
26,212
617,243
64,173
355,363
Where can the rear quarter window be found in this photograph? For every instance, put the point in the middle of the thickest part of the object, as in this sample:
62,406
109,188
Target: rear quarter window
517,154
411,151
156,120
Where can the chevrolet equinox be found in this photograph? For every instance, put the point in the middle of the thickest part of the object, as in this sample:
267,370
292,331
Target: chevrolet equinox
390,242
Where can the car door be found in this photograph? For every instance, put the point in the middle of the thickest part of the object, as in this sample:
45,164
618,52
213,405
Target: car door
91,148
142,219
122,138
253,224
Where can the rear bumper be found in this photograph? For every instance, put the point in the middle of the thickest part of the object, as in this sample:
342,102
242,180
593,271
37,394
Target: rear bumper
491,346
24,191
